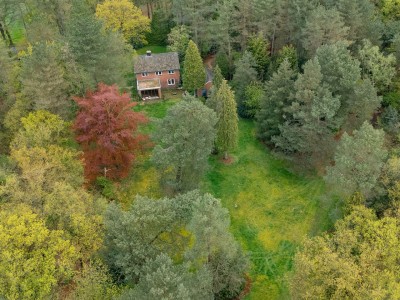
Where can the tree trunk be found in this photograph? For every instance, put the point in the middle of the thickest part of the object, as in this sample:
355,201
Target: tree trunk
3,34
225,155
148,10
10,41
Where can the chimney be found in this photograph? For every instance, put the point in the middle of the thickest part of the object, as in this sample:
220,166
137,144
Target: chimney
148,53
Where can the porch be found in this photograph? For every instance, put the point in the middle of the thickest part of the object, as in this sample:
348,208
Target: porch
149,89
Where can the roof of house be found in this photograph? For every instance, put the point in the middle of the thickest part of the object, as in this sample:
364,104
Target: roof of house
157,62
148,84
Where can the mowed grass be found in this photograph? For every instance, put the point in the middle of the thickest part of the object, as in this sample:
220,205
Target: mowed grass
152,48
272,210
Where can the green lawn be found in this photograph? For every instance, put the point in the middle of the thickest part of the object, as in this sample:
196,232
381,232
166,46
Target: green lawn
272,210
152,48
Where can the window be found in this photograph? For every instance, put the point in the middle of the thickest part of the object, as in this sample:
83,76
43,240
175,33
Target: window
171,71
171,81
144,74
158,73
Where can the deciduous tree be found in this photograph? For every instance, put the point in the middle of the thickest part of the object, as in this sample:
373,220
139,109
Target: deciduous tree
123,16
357,261
106,127
33,259
378,67
178,40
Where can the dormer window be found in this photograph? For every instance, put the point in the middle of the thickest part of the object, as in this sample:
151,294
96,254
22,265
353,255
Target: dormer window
158,73
171,71
144,74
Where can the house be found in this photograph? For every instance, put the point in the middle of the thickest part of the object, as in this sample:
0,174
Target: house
155,72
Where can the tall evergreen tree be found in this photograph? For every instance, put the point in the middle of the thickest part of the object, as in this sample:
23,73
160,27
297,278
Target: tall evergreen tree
227,126
360,16
197,16
44,79
277,97
323,26
245,73
102,54
194,74
358,161
216,81
312,115
182,156
259,48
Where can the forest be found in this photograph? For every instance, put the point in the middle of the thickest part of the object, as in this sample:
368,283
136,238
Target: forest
271,171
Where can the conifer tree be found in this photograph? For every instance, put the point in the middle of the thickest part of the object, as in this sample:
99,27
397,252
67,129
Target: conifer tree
44,80
311,115
245,73
227,126
182,156
276,99
358,161
102,54
216,81
194,74
323,26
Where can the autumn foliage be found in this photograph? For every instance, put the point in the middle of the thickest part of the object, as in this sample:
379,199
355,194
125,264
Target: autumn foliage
106,127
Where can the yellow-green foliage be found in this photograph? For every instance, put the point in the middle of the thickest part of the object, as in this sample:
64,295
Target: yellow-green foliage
271,210
123,16
358,261
32,258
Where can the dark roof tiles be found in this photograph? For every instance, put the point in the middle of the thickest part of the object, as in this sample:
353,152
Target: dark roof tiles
157,62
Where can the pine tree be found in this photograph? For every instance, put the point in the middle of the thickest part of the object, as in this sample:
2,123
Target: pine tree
245,74
360,16
358,161
182,156
227,126
194,74
102,54
323,26
311,116
277,97
44,79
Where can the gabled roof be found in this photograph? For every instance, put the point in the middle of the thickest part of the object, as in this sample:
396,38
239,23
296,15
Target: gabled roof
157,62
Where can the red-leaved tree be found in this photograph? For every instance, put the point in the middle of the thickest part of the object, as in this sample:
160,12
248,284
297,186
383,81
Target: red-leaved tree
106,128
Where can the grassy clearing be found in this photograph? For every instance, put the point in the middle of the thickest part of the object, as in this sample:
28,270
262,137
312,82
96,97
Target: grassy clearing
144,179
152,48
272,210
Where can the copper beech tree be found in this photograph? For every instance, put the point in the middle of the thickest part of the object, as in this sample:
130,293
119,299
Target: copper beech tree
106,128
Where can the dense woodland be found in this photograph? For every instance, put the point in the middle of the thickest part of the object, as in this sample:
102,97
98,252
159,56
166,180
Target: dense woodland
320,81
